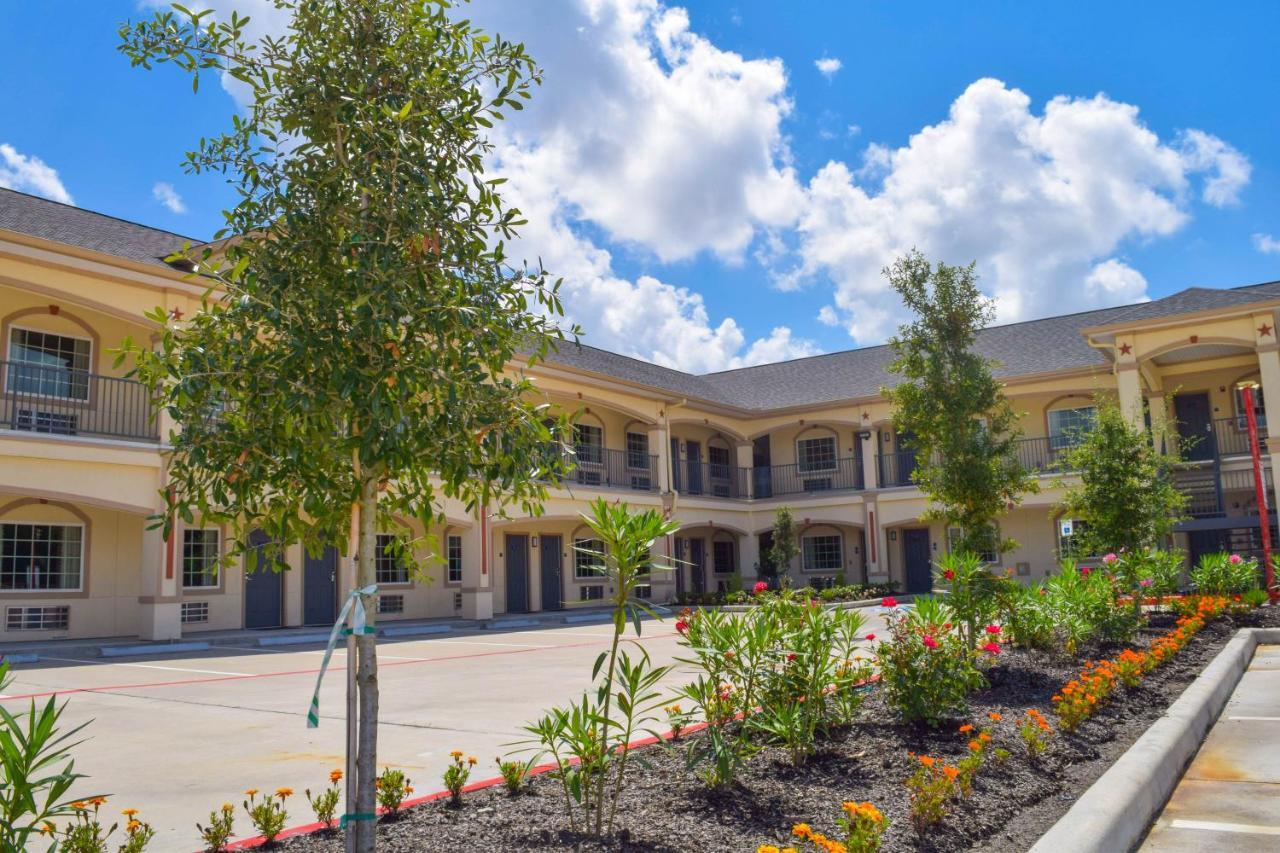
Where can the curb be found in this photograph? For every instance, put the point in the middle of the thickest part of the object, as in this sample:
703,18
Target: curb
160,649
294,639
1115,812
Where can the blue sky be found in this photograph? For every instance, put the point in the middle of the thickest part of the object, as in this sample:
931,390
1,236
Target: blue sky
704,185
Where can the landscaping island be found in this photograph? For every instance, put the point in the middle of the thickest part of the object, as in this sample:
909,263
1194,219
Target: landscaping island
666,808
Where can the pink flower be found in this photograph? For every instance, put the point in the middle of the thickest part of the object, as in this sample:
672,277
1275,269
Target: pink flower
681,626
1110,558
949,575
1144,582
870,637
993,630
992,648
760,587
929,642
1235,559
888,601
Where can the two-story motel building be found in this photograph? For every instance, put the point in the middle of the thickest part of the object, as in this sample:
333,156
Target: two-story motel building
82,461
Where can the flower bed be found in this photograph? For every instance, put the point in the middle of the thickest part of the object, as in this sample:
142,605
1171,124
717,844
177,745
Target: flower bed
828,595
1030,771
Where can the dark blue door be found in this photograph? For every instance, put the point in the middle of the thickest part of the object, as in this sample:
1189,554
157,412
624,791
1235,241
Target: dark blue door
693,463
915,556
263,586
320,588
517,574
550,558
698,564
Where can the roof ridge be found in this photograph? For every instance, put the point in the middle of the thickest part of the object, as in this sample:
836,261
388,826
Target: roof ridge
91,212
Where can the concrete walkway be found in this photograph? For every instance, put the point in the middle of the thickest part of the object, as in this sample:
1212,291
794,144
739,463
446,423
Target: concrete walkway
1229,798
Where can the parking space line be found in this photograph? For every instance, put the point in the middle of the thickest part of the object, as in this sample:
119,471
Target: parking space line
147,666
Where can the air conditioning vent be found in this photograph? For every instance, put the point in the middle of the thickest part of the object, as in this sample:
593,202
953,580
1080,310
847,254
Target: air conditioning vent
56,423
818,484
588,478
55,618
391,604
195,611
591,593
640,483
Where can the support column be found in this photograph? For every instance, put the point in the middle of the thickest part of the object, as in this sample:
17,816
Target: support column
159,600
877,556
1269,371
746,463
749,559
477,569
871,460
1129,386
660,446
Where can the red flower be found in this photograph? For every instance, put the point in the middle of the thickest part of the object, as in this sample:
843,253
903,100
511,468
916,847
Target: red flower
992,648
888,601
729,655
760,587
870,637
946,626
791,657
1084,570
929,642
681,626
993,630
949,575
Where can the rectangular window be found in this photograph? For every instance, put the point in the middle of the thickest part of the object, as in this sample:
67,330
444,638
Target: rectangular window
455,559
200,552
587,553
1259,408
990,555
638,451
588,443
195,611
722,557
55,618
41,556
823,554
47,364
816,454
1067,426
389,567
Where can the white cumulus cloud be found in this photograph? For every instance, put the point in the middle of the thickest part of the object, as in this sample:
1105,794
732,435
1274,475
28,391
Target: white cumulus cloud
29,174
1266,244
828,66
165,194
1042,201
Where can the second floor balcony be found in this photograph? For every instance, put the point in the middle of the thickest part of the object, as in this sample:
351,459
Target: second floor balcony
53,400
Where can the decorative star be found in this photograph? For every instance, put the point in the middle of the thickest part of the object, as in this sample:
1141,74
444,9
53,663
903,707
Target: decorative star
1126,349
175,314
866,416
1264,331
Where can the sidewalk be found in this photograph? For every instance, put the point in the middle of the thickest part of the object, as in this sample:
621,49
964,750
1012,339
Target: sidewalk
1229,797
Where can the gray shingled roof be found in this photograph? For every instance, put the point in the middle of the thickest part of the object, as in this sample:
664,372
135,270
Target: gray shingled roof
74,226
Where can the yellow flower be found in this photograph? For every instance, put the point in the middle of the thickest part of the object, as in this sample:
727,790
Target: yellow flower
133,826
98,801
767,848
408,789
251,792
801,830
471,759
227,807
457,753
129,812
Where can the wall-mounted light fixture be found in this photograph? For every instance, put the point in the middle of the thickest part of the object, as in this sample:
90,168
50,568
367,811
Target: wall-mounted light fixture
864,434
893,536
533,541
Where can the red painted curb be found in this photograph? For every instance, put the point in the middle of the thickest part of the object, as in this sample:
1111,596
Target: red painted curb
316,826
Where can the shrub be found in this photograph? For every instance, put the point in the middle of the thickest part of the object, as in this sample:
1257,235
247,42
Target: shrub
514,773
392,787
1225,574
972,592
676,719
456,775
926,670
269,815
325,803
220,829
1028,620
1035,732
1254,597
930,787
862,824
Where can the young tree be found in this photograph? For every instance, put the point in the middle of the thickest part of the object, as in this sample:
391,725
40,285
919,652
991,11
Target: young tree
960,423
352,355
784,548
1125,495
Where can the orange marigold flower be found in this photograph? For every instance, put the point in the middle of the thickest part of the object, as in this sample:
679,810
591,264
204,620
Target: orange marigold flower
995,717
98,801
335,776
457,753
251,792
471,760
966,728
984,737
950,772
129,812
284,793
801,830
926,760
974,746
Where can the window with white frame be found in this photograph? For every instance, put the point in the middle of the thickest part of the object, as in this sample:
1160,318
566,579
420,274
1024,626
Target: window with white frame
822,553
588,443
49,365
1259,408
1069,539
389,566
816,454
1068,426
586,554
201,549
988,555
723,557
41,556
638,451
454,549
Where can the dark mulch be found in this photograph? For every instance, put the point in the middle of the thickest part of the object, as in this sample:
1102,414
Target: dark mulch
667,809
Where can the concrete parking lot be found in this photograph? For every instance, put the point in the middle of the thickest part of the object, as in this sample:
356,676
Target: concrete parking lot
178,736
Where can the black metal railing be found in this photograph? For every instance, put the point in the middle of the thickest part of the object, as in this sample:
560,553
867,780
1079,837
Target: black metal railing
1047,455
709,479
779,480
608,469
895,469
56,401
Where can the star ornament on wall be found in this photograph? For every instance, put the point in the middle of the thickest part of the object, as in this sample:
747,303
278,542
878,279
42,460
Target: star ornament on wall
1125,349
1264,331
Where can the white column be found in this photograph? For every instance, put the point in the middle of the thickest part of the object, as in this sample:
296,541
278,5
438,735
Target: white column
477,586
746,461
748,559
877,556
159,601
871,459
1129,386
660,446
1269,369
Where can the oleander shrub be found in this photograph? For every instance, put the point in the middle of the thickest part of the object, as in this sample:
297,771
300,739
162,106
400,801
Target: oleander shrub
1225,574
926,668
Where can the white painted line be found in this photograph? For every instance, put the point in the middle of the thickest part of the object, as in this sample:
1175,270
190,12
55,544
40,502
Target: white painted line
148,666
1261,719
485,643
1215,826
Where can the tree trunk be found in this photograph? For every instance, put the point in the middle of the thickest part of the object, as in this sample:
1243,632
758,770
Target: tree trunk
367,674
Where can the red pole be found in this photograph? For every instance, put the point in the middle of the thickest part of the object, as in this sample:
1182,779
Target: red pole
1259,485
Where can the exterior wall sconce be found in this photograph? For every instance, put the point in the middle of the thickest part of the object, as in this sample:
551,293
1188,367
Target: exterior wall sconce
533,541
893,536
864,434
